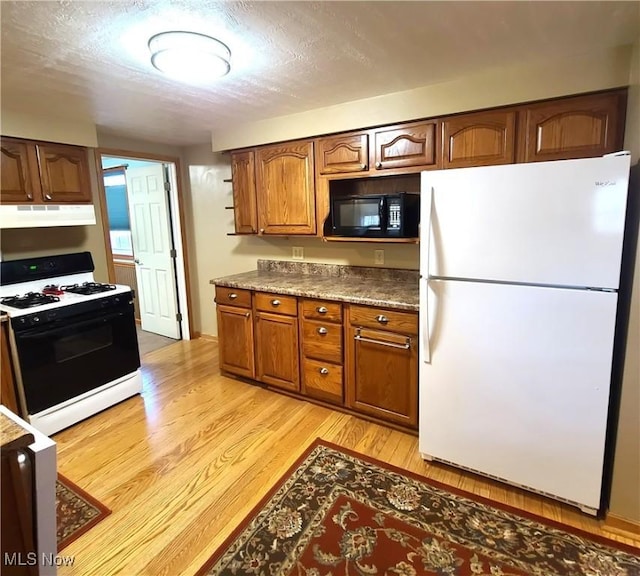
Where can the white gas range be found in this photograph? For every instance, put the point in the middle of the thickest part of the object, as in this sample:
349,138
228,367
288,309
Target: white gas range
73,340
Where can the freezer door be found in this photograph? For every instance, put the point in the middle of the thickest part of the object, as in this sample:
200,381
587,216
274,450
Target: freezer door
517,384
552,223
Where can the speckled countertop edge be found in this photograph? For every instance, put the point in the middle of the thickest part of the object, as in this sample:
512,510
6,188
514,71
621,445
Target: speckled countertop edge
368,286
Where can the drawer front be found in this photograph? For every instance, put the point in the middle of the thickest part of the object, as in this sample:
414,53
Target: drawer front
233,296
322,310
377,318
322,380
322,340
276,303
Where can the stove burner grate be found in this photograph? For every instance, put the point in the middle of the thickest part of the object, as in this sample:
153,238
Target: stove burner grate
28,300
87,288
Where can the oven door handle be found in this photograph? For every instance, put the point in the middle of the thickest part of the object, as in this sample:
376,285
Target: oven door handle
36,333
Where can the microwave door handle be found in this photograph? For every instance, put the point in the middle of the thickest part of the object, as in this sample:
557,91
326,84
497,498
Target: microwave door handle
382,213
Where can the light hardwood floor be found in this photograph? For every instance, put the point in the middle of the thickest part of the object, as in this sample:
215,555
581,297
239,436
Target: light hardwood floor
183,464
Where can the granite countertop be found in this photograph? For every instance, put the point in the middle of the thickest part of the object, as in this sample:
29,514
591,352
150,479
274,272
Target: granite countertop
385,287
13,436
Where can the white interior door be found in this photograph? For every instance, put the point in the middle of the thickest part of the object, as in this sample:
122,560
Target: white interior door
152,248
517,384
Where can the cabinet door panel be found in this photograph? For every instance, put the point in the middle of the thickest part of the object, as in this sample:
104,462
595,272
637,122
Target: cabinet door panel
343,154
235,340
406,147
479,139
243,171
64,173
384,380
285,189
581,127
277,350
19,172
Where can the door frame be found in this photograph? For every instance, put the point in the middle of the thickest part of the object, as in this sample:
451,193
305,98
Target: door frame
178,227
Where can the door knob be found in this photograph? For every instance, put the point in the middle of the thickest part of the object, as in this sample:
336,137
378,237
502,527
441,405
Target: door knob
137,261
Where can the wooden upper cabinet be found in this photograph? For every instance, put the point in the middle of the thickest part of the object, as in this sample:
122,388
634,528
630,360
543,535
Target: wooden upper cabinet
64,173
19,172
285,189
243,176
406,146
479,139
579,127
340,154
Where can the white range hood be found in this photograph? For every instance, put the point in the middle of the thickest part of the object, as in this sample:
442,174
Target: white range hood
44,215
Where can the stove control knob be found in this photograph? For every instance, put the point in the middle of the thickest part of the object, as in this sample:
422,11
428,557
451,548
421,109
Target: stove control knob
35,319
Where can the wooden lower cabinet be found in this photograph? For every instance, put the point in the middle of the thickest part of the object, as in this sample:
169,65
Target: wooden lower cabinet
277,350
383,366
361,358
235,331
7,380
235,340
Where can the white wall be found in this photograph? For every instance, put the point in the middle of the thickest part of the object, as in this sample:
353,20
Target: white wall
625,491
488,88
34,127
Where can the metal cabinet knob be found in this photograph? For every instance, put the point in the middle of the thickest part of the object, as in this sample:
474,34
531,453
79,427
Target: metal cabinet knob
247,314
322,330
382,319
261,230
378,164
363,166
322,310
30,196
232,296
48,196
323,371
275,302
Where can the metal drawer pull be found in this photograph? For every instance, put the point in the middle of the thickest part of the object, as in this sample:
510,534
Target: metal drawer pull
404,346
322,330
382,319
322,310
232,296
275,302
323,371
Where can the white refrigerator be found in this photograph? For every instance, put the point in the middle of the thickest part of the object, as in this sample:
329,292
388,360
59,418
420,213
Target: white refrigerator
520,267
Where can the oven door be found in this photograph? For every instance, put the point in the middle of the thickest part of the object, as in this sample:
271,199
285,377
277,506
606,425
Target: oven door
70,357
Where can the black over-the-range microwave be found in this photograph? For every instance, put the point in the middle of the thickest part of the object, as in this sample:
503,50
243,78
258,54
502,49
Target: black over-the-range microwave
376,216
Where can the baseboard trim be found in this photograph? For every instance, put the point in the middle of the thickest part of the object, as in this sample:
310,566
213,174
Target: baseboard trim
621,526
206,336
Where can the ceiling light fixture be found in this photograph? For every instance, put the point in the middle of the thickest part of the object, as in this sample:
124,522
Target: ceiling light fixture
189,56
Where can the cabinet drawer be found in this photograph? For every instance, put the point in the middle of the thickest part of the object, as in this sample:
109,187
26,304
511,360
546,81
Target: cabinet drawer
322,380
322,310
404,322
276,303
322,340
233,297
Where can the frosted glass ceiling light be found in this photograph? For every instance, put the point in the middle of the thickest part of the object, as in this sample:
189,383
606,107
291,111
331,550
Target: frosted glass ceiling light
189,56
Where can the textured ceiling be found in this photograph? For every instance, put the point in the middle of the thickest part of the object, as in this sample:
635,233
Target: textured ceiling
89,60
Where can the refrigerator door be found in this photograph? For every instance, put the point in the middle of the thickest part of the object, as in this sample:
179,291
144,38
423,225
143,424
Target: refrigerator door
518,383
550,223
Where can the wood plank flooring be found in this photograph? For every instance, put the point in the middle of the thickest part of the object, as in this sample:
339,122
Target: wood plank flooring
184,463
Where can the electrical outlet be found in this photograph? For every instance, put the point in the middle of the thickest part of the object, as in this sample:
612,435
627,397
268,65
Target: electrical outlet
378,257
298,253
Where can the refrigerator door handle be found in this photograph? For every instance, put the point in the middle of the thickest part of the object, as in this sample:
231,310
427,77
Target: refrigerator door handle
426,344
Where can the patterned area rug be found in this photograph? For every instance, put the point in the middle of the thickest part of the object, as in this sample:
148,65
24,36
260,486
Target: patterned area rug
76,511
338,512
